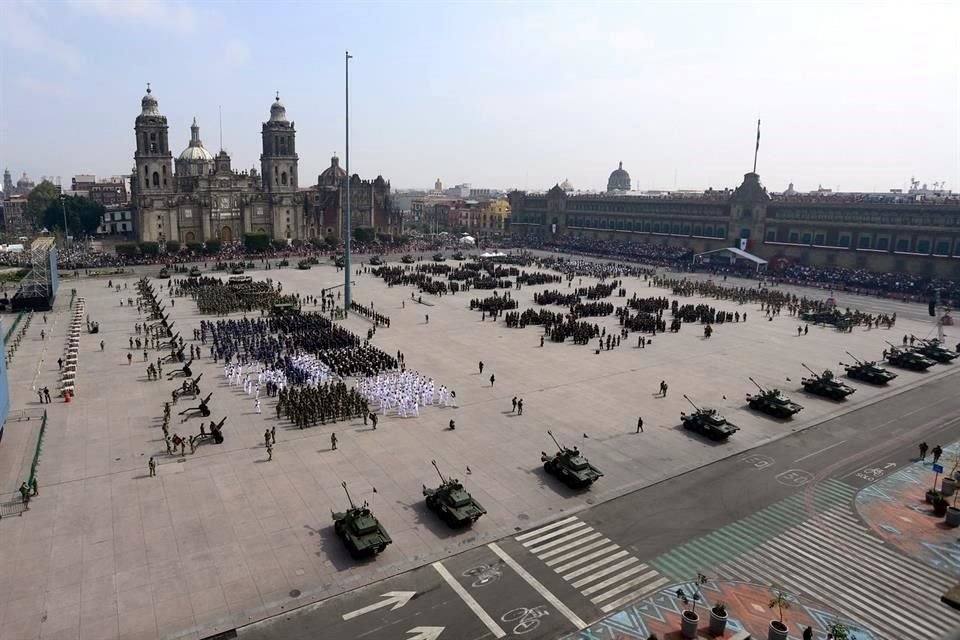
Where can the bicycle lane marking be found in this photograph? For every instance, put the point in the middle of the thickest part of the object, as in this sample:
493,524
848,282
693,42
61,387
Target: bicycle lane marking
508,598
469,600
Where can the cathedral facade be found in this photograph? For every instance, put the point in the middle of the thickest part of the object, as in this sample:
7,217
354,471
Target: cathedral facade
200,197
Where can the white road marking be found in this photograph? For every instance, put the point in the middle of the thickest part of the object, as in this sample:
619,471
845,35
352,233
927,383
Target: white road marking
468,600
554,534
635,595
810,455
535,532
584,558
593,565
538,587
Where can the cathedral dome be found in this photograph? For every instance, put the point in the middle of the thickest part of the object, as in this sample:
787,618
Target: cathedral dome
195,150
278,112
566,185
619,180
333,174
149,105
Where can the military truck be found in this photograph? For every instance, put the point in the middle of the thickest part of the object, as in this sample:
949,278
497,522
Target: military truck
825,384
407,259
935,350
570,466
772,402
867,371
361,532
452,502
708,422
907,359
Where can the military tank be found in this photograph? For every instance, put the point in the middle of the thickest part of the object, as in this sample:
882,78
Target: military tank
452,502
236,269
304,265
195,272
772,402
407,259
708,422
438,257
907,359
935,350
825,384
360,531
375,261
164,273
459,256
570,466
867,371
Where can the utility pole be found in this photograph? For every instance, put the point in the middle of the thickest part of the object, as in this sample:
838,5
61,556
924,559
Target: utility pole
347,222
63,205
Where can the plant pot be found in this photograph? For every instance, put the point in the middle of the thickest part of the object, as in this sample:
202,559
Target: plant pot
777,631
718,623
688,624
931,495
940,508
948,486
953,517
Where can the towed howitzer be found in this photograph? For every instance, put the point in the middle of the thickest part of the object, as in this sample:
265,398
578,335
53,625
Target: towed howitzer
570,466
188,388
452,502
216,430
182,371
772,402
202,409
707,422
825,384
359,529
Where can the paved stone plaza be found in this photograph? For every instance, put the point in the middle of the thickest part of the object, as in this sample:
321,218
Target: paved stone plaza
223,537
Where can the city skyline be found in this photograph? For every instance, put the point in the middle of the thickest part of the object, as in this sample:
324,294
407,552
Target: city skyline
521,97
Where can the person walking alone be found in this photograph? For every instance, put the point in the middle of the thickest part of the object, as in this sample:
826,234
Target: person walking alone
152,465
333,441
640,425
923,451
492,379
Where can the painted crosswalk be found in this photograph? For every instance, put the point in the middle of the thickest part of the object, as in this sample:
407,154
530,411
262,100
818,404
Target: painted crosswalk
597,567
814,544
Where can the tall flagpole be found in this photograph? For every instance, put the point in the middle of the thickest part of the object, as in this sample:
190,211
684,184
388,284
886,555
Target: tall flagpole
347,222
757,149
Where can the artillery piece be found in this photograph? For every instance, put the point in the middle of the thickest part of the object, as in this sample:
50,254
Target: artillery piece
452,502
907,359
172,342
176,355
570,466
189,388
203,409
707,422
826,385
867,371
216,431
183,371
772,402
359,529
935,350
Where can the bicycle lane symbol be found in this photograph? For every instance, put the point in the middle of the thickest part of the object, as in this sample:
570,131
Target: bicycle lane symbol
525,619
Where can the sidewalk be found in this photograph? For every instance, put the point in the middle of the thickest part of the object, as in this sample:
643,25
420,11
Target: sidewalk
895,509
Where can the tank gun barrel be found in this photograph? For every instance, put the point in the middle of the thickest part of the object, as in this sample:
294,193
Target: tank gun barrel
550,433
858,360
891,344
691,402
349,499
808,368
434,463
757,385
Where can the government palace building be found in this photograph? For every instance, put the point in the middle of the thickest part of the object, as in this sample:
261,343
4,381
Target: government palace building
200,197
914,232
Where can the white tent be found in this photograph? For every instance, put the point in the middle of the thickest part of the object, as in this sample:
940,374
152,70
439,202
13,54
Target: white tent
468,240
493,254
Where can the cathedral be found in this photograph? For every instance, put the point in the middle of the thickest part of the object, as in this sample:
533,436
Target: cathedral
199,196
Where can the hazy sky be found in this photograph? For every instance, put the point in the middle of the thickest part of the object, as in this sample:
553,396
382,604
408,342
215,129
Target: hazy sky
507,94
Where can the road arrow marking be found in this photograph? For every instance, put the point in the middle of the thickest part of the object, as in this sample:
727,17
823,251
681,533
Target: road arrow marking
889,464
426,633
395,598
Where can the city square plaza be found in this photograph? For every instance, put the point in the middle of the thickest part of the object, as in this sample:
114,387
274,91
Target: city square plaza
224,537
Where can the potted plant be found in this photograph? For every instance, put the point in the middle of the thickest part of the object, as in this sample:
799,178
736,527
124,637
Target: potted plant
778,630
690,619
932,495
940,505
839,631
718,619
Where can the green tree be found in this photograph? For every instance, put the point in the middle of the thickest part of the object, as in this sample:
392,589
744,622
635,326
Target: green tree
126,249
173,246
332,241
297,243
280,245
83,215
364,234
40,199
150,248
195,247
256,241
213,246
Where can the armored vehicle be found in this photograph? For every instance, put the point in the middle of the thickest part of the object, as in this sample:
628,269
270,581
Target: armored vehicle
459,256
195,272
452,502
164,273
361,532
826,385
867,371
376,261
570,466
303,265
772,402
407,259
438,257
236,269
339,261
708,422
935,350
907,359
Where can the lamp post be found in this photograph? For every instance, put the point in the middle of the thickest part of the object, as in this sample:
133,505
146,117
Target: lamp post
63,205
347,222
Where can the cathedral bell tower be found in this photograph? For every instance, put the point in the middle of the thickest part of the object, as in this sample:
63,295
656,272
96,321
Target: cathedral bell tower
153,160
278,162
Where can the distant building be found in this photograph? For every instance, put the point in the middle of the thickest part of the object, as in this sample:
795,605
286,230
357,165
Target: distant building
109,191
116,220
82,182
619,180
371,204
23,187
14,214
438,186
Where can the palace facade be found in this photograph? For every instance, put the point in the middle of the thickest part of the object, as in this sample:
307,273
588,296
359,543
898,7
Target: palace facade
879,232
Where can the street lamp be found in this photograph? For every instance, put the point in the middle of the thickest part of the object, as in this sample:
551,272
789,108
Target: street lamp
347,221
63,205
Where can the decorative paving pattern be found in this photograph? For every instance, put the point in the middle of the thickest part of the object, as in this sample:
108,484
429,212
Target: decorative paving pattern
895,509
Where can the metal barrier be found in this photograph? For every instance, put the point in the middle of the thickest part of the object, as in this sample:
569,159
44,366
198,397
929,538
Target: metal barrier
13,326
36,453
